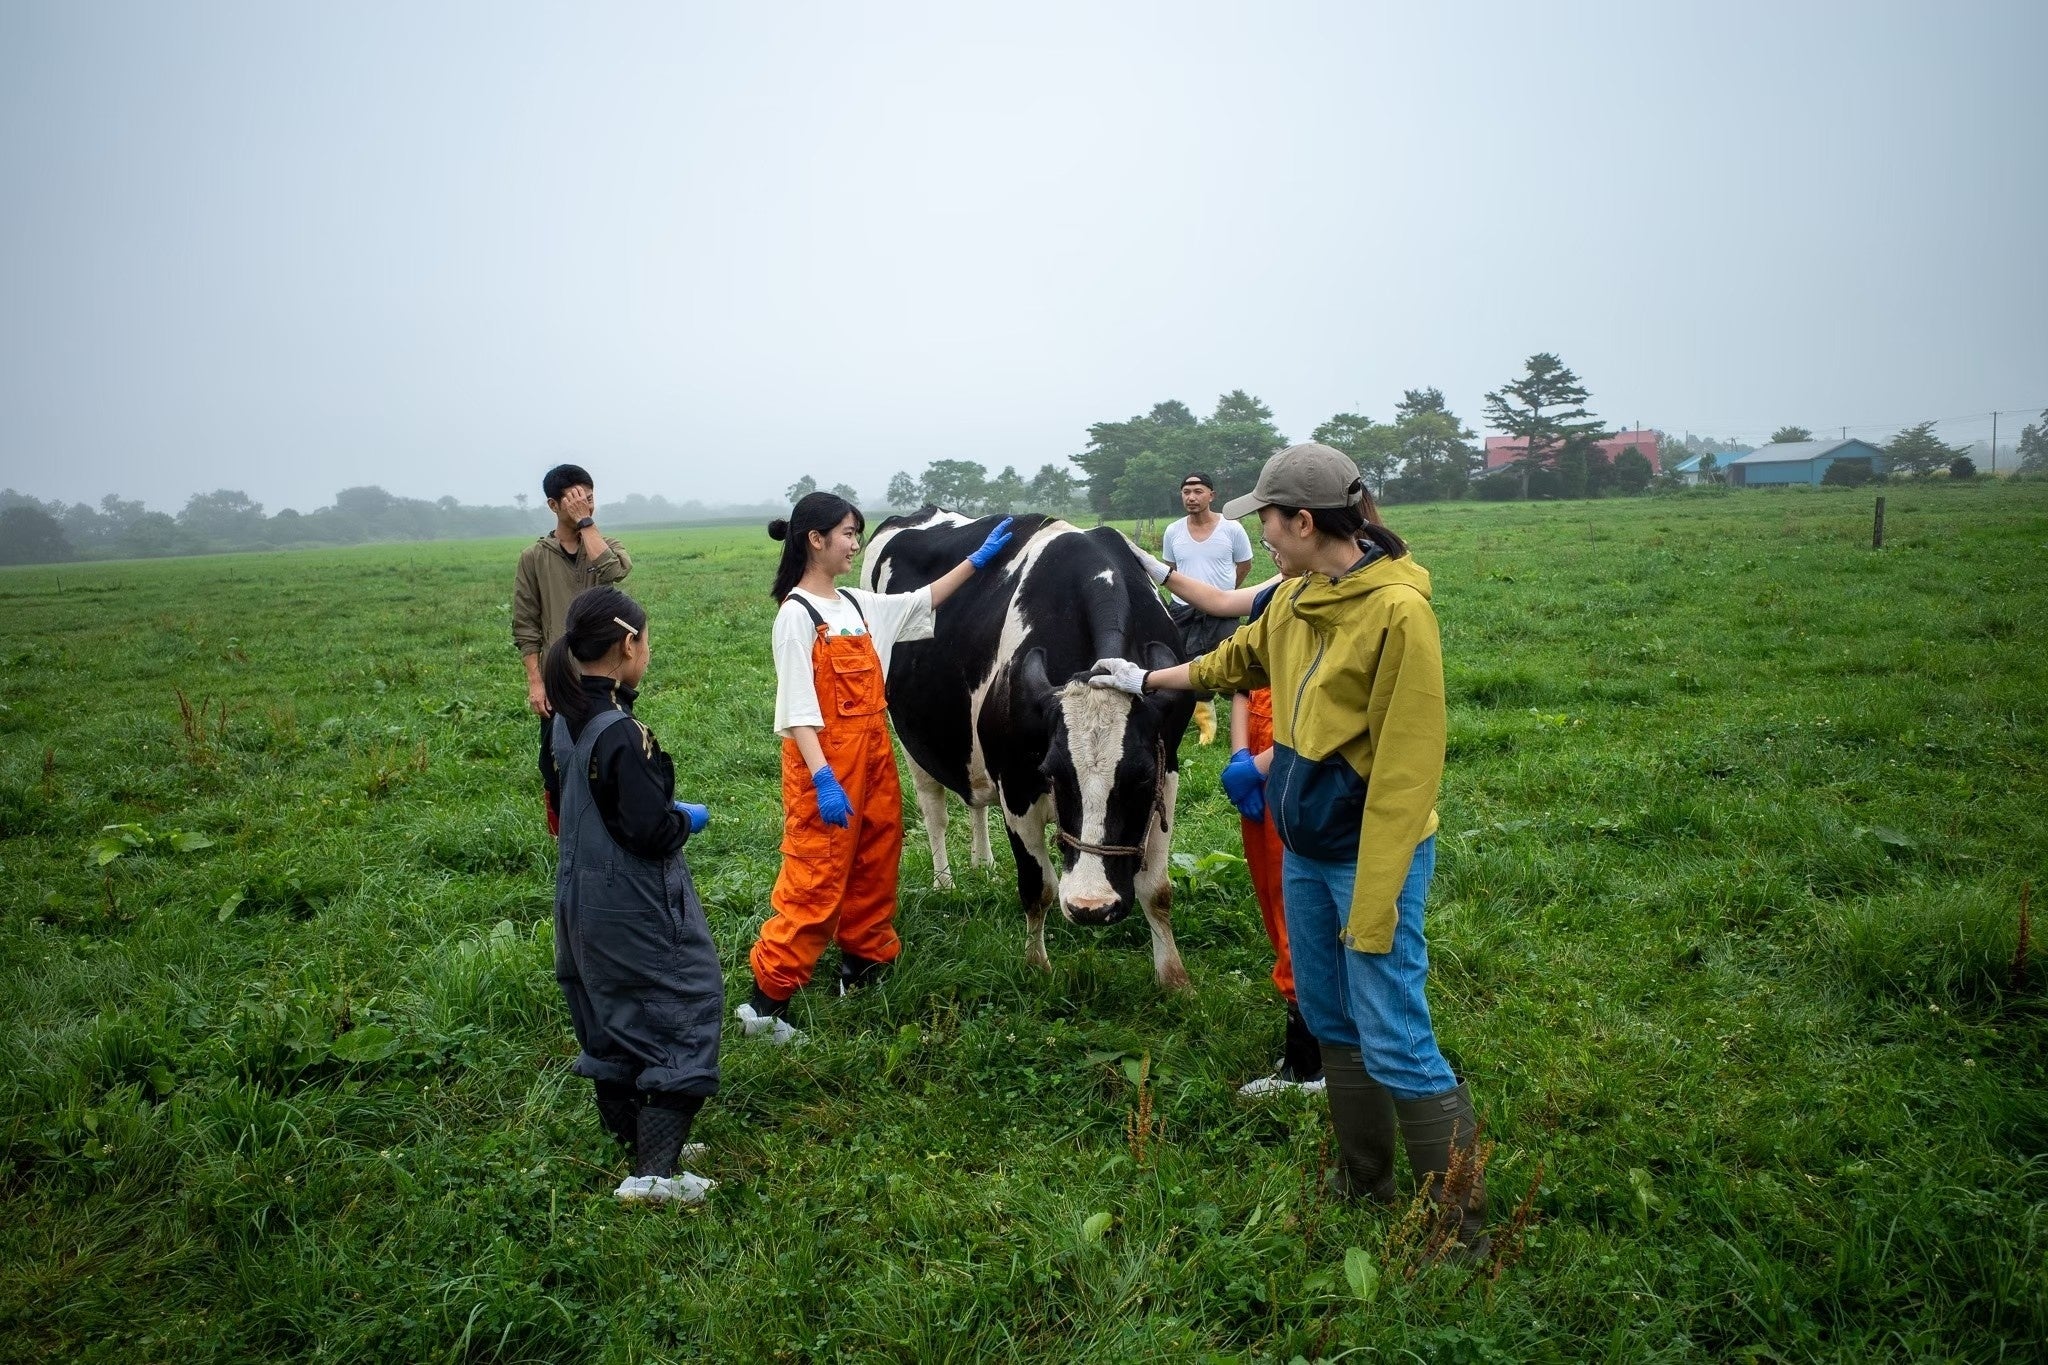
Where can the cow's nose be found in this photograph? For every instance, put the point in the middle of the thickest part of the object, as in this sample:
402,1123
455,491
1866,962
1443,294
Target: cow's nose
1093,909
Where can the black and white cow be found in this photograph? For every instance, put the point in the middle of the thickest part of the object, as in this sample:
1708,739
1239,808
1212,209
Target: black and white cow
994,709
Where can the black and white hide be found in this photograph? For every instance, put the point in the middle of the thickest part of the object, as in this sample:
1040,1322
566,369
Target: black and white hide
995,708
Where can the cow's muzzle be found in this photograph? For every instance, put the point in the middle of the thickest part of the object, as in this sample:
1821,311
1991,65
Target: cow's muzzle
1103,910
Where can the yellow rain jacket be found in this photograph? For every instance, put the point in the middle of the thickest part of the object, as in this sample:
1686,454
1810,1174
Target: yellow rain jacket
1356,669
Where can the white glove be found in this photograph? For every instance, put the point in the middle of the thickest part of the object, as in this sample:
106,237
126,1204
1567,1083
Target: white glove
1121,674
1156,569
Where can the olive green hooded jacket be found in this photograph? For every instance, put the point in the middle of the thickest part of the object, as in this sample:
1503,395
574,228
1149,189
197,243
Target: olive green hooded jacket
1356,669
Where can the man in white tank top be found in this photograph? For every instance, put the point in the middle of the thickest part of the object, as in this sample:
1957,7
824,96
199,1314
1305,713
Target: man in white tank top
1203,545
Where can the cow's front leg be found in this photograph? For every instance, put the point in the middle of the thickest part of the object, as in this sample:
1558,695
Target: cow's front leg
1155,893
1035,877
931,804
980,854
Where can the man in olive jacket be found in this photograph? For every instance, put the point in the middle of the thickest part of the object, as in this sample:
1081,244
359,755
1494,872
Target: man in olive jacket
552,570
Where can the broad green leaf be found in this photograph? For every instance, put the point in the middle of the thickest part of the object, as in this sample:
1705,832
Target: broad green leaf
365,1043
189,840
1363,1275
105,850
228,907
1646,1197
1094,1227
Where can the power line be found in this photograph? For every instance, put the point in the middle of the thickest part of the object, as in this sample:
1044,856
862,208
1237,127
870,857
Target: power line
1735,429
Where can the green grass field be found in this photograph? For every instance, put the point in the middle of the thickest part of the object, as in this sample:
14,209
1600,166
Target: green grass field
1736,822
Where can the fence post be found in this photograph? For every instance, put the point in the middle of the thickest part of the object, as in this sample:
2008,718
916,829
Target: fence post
1877,527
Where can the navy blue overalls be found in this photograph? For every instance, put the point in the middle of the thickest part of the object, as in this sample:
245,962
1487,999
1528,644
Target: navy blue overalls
632,951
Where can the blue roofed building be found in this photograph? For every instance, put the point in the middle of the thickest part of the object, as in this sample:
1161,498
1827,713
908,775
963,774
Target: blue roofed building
1789,462
1688,469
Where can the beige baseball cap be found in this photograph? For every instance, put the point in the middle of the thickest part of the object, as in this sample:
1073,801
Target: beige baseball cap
1307,475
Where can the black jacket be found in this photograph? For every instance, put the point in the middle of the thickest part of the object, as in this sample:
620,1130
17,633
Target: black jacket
632,781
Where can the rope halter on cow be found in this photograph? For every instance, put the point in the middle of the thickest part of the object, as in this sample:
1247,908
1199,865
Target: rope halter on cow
1158,812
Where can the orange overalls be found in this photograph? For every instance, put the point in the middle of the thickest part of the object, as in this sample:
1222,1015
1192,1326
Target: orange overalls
837,885
1262,850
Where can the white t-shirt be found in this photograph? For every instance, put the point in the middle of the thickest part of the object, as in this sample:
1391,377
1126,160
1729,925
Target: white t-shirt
890,618
1214,560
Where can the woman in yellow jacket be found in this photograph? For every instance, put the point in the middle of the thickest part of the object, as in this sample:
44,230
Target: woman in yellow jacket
1349,648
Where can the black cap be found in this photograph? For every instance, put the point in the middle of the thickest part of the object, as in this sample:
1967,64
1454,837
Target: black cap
1202,479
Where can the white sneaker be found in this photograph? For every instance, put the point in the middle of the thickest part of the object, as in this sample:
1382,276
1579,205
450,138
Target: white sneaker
681,1188
777,1030
1274,1084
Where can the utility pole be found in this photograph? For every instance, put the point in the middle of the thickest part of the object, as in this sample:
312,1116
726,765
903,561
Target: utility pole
1994,443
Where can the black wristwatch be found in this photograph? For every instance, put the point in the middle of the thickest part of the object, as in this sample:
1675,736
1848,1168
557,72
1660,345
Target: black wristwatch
586,523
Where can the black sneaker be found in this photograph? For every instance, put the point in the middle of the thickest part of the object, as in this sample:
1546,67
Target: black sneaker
1300,1066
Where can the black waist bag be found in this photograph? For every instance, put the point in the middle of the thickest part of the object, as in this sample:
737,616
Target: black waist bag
1317,806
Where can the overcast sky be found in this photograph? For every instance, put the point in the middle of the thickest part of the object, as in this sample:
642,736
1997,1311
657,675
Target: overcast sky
288,248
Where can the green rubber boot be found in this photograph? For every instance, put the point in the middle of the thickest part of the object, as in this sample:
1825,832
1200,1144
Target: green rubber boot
1362,1112
1431,1128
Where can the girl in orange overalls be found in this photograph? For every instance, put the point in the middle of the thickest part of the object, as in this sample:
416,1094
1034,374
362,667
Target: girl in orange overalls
842,804
1251,734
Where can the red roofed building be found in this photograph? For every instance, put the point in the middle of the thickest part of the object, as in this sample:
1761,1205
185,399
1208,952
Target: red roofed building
1502,451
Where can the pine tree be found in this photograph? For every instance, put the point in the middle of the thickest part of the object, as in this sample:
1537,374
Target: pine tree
1917,450
1546,410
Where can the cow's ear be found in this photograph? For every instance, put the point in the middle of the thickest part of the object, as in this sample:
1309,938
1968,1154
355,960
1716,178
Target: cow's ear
1159,655
1030,694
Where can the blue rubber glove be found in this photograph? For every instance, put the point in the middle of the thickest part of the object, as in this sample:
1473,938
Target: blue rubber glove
833,807
993,546
1245,785
698,816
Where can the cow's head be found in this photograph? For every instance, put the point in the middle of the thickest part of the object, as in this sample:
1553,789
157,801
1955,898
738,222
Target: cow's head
1107,757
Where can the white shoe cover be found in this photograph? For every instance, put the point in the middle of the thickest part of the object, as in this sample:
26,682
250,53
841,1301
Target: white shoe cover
681,1188
779,1032
1274,1084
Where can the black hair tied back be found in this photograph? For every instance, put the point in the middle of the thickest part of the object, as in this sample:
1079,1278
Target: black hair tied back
818,512
589,630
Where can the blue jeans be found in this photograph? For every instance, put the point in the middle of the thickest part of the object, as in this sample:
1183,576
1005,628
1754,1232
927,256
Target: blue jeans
1371,1001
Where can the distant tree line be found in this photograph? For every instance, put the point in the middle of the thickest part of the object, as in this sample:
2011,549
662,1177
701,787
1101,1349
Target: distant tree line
37,532
968,487
1134,467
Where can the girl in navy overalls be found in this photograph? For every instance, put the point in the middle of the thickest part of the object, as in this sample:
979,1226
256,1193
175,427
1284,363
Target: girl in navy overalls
632,951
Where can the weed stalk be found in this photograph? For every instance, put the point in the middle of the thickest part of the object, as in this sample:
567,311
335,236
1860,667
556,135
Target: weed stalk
1141,1129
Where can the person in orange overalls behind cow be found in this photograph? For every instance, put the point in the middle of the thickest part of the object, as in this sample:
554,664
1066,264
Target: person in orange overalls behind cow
842,804
1251,734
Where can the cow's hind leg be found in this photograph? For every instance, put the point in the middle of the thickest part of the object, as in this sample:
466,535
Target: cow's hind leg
1155,893
931,804
980,855
1035,877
